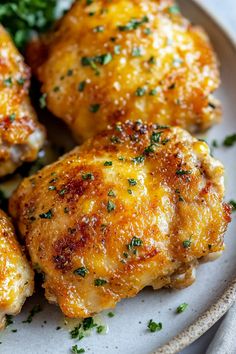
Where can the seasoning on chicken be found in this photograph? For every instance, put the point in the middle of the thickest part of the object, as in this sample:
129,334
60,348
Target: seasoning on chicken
21,136
117,60
137,205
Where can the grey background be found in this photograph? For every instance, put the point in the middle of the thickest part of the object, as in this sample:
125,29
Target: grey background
225,13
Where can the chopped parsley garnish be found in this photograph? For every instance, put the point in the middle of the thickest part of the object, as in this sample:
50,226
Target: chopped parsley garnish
21,17
215,143
94,108
115,139
63,191
82,271
98,29
117,49
174,9
12,117
229,140
138,159
135,242
187,243
52,188
111,193
108,163
140,91
153,326
136,52
101,329
21,81
47,215
152,60
88,323
153,92
8,82
100,282
77,333
81,86
233,204
110,314
36,309
132,181
77,350
129,191
89,2
155,137
133,24
88,176
70,72
182,172
42,101
103,59
110,206
181,308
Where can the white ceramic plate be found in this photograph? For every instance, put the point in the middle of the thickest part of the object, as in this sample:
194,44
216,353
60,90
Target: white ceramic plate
128,328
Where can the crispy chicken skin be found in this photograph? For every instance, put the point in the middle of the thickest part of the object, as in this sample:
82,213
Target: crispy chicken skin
21,136
16,276
121,59
135,206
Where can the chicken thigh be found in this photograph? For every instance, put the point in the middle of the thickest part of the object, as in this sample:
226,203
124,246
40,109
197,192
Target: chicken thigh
121,59
21,136
137,205
16,276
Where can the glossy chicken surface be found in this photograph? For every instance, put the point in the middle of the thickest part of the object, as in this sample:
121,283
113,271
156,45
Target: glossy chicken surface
135,206
122,59
16,276
21,136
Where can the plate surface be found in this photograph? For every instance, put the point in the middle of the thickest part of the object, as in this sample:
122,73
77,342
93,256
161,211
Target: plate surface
127,330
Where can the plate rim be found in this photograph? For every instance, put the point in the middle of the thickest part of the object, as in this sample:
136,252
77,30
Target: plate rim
209,317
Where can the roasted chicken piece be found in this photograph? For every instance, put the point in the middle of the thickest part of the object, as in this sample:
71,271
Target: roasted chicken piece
16,276
21,136
117,60
137,205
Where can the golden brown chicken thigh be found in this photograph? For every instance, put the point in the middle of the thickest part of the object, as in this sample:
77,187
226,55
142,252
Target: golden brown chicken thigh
137,205
121,59
21,136
16,276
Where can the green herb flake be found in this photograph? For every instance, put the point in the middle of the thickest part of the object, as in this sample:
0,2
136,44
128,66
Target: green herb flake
89,2
140,91
81,86
52,188
111,193
47,215
82,271
182,172
108,163
98,29
42,101
135,242
154,327
233,204
174,10
21,81
76,350
110,314
36,309
101,329
230,140
117,49
100,282
94,108
152,60
136,52
138,159
187,243
12,117
181,308
88,176
147,31
132,181
110,206
133,24
8,82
